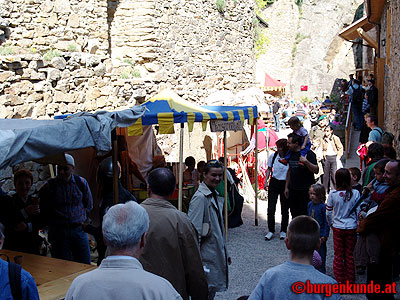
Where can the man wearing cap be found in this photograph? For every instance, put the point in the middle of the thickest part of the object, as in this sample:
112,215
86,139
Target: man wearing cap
65,202
317,132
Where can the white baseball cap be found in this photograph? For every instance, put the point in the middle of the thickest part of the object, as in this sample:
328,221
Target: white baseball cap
70,160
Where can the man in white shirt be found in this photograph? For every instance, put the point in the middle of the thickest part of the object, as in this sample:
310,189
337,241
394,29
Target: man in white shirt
121,275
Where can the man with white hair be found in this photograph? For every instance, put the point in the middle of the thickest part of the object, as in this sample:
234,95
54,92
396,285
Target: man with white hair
121,275
64,204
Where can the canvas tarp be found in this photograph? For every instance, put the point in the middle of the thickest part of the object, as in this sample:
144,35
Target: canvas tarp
168,108
24,139
271,84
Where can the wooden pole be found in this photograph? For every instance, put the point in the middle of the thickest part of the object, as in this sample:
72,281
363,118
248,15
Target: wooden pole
225,189
180,168
256,175
115,165
347,131
51,169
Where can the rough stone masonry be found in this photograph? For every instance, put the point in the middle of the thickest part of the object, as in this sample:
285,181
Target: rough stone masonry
65,56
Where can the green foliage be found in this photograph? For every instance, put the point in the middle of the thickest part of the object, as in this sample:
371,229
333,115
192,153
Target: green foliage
72,48
261,41
294,49
261,4
33,50
125,75
128,61
338,103
136,73
221,6
130,73
7,50
50,54
305,99
300,37
299,4
359,12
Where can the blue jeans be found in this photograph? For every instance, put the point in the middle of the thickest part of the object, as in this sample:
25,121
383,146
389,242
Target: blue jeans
358,117
69,243
276,121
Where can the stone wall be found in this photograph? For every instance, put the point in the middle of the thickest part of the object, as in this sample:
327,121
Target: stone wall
206,50
305,48
66,25
64,56
392,72
39,172
31,86
132,25
106,53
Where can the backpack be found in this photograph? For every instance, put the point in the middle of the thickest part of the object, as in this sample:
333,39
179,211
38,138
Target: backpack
386,137
357,95
14,275
273,160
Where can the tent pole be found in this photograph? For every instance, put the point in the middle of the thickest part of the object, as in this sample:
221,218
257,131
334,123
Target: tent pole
256,174
225,189
180,168
115,165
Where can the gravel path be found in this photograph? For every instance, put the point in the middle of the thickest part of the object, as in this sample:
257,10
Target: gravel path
252,255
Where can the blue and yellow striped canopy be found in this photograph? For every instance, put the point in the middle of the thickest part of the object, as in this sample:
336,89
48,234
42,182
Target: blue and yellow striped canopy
168,108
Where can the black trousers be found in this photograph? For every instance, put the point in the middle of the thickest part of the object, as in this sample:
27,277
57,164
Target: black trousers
277,188
382,274
330,167
298,200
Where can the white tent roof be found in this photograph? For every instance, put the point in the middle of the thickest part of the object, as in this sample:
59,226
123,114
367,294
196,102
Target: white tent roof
24,139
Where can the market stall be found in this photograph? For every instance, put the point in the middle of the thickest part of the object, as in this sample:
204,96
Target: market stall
273,86
167,108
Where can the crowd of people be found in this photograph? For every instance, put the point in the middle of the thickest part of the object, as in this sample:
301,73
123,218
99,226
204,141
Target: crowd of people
362,216
154,251
185,254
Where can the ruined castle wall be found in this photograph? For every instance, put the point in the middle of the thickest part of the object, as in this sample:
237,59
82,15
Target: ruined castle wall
392,71
109,52
65,56
206,49
36,25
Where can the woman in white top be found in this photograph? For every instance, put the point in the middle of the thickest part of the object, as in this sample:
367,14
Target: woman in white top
276,187
344,224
